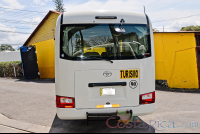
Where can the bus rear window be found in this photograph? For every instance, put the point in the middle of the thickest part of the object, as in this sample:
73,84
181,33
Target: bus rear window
92,41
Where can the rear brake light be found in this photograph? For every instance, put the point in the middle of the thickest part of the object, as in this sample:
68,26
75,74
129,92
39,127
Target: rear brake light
147,98
64,102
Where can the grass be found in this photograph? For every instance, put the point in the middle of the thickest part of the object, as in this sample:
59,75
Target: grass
7,68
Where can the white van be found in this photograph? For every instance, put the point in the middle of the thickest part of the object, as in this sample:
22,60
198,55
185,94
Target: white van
104,62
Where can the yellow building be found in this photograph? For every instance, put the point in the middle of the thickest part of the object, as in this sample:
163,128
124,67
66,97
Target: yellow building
177,60
43,38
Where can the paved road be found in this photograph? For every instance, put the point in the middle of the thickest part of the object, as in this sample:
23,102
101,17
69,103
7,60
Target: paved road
34,102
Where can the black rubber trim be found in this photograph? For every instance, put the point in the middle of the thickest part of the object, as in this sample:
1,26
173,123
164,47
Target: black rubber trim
107,84
61,20
148,28
147,19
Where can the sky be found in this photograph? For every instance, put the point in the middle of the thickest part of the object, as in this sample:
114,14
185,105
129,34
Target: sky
19,18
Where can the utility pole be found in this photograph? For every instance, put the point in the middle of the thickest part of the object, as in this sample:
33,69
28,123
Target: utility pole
163,28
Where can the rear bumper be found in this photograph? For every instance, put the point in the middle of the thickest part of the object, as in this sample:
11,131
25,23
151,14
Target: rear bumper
76,114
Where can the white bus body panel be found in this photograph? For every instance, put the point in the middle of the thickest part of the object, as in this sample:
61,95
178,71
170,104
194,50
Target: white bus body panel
90,96
67,72
76,114
88,17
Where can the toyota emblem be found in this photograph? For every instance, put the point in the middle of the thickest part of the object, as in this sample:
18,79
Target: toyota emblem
107,74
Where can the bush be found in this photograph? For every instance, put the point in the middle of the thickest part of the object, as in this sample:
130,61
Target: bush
7,68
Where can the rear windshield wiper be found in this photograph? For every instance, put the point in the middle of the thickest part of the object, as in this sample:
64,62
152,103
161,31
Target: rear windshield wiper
97,58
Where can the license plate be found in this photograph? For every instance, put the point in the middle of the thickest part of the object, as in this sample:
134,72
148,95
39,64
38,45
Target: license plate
107,91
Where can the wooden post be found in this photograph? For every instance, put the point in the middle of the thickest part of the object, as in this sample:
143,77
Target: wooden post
4,72
14,72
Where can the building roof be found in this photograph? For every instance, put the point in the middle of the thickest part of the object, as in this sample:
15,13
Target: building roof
179,32
189,31
38,27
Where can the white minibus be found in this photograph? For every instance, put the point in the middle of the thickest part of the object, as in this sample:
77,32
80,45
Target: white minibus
104,62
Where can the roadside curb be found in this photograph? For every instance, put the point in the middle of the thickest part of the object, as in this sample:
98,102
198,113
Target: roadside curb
5,129
28,127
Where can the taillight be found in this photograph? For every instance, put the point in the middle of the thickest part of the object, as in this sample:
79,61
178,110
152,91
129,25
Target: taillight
64,102
147,98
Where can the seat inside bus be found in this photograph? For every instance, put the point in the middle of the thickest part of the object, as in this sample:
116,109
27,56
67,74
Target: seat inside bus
126,53
104,54
88,54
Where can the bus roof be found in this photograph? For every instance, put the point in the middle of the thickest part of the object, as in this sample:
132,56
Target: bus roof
81,17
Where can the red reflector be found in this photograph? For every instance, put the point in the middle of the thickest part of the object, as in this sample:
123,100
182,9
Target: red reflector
64,102
147,98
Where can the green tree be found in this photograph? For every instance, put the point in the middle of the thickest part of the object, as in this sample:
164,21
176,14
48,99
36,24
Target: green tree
191,28
77,36
4,47
100,40
59,6
18,48
87,44
77,47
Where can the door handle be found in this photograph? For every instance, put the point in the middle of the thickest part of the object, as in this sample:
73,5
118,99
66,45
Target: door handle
107,84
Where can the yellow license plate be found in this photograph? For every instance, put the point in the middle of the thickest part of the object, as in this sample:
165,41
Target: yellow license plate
129,74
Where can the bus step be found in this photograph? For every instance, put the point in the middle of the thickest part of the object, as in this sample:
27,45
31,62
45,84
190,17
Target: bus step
100,116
